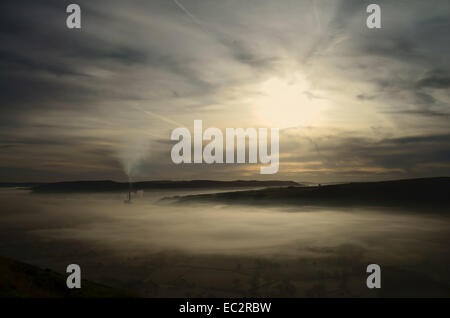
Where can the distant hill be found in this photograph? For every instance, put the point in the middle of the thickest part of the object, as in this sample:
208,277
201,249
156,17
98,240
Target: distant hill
26,281
432,192
19,184
106,186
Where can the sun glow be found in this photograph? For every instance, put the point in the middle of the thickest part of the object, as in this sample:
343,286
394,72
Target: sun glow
285,103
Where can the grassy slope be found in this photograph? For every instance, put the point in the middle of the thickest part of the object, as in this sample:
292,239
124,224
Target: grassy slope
22,280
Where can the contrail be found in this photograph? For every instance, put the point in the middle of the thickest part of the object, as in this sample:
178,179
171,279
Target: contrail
163,118
179,5
316,13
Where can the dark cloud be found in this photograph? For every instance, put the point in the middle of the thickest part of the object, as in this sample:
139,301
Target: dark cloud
434,82
422,113
404,153
365,97
343,157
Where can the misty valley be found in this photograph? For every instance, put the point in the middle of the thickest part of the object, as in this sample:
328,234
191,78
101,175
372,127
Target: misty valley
166,244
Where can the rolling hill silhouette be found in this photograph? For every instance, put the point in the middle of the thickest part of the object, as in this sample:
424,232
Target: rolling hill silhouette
432,192
106,186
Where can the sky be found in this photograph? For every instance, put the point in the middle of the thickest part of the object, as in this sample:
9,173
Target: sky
100,102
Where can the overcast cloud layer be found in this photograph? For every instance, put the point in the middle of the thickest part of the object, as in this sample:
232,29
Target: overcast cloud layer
352,103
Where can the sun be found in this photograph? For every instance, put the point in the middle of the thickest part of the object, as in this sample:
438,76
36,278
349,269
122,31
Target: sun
285,103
